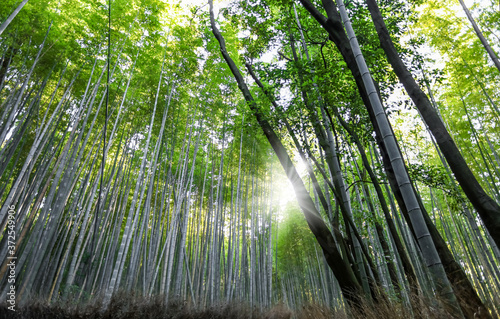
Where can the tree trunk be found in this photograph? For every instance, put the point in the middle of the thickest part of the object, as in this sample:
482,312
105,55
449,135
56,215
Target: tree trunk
6,23
487,208
480,35
345,277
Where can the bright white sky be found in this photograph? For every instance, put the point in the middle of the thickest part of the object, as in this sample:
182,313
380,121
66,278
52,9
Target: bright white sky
217,4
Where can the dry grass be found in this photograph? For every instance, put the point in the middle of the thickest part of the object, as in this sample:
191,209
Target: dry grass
130,306
381,310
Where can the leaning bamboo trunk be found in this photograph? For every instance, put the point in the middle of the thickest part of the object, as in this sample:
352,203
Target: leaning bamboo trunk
481,37
487,208
433,262
131,221
6,23
346,278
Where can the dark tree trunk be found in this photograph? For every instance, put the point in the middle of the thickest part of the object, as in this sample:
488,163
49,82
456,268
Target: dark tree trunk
487,208
344,274
4,65
408,269
467,297
333,25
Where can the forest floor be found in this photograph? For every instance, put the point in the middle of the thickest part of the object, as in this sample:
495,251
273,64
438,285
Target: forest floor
127,306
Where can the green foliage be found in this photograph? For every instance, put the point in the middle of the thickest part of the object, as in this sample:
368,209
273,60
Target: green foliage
434,176
160,46
296,244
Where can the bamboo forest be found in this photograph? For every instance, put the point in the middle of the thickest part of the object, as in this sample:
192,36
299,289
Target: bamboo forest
249,159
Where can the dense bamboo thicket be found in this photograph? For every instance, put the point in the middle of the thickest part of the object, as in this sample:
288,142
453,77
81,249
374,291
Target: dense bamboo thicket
326,157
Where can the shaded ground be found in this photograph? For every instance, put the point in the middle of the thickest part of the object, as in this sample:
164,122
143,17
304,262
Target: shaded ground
128,306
